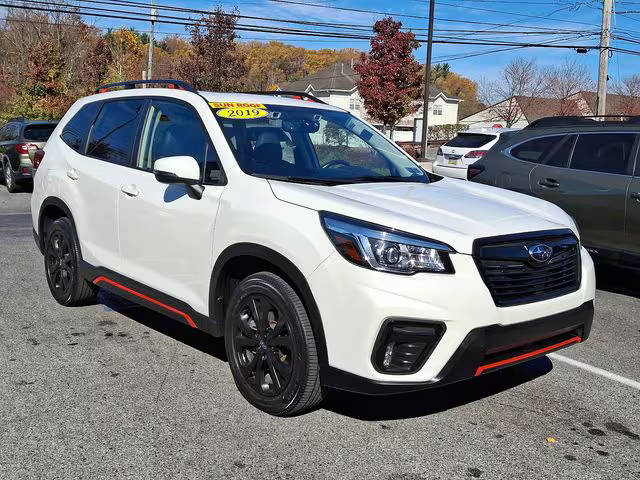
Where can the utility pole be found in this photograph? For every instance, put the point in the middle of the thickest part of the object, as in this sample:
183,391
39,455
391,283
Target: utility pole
150,62
603,69
427,82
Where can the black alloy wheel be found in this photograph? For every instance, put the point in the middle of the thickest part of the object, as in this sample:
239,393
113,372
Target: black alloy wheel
61,263
271,347
263,345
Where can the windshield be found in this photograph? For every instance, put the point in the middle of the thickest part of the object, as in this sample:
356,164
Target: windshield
312,145
470,140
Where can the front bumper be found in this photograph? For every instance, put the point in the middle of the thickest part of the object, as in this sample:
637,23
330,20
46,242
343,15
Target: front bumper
355,303
484,350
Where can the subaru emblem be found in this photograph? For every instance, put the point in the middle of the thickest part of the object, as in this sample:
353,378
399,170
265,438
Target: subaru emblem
540,253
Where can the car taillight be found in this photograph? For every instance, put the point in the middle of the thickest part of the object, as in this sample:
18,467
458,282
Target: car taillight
439,152
23,148
476,154
474,170
37,158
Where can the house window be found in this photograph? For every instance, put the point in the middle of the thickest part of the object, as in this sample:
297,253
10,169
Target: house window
354,104
437,109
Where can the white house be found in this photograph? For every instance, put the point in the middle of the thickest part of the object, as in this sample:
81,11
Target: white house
336,85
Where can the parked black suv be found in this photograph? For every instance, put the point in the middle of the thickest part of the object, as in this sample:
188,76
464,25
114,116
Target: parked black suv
20,138
587,166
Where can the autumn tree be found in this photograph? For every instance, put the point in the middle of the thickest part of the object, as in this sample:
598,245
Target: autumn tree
564,80
126,52
389,82
629,89
270,64
465,89
517,87
214,62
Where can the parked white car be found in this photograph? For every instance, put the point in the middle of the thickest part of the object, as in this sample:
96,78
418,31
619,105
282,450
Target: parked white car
453,158
324,254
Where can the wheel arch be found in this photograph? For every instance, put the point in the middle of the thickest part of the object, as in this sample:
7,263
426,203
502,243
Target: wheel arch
243,259
53,208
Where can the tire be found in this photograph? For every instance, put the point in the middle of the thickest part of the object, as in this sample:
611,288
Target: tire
61,264
271,347
9,181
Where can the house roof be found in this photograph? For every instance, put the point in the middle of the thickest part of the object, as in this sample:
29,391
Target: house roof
534,108
616,104
339,77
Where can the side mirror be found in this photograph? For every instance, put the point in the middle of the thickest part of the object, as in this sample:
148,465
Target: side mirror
181,169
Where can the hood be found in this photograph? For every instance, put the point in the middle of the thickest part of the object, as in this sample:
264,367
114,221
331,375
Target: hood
455,212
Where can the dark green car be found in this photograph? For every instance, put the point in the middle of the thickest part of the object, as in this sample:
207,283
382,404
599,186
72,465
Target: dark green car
589,168
20,138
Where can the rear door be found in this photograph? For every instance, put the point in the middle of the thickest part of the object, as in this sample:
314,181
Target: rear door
511,168
592,185
96,168
632,221
166,235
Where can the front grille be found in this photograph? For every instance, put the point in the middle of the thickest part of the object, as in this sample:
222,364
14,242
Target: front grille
513,277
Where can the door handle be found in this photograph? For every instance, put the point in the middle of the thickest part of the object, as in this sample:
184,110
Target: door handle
72,173
635,196
130,190
549,183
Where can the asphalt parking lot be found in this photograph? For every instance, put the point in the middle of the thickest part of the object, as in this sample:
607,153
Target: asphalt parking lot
117,391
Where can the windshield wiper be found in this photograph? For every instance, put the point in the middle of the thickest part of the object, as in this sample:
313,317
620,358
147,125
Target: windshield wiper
375,178
311,181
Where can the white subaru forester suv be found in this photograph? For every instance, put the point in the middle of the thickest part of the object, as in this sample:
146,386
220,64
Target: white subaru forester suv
324,255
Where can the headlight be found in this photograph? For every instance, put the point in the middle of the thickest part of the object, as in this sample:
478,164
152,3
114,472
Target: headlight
385,249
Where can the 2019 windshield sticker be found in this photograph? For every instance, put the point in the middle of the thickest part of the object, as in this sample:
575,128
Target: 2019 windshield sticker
242,113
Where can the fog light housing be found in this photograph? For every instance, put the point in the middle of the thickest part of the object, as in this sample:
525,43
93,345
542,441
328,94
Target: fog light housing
403,346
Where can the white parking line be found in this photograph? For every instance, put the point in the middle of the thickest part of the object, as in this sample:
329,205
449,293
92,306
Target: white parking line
596,370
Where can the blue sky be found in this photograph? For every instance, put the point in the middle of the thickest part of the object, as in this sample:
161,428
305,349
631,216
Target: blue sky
578,17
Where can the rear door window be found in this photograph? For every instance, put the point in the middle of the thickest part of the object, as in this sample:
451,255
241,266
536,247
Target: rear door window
604,152
114,132
76,130
38,133
560,154
537,149
470,140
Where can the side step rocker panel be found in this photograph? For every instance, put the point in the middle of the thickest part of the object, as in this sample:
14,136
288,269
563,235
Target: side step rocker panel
150,298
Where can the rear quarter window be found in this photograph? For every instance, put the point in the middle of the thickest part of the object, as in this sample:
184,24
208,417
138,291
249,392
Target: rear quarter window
470,140
76,130
536,149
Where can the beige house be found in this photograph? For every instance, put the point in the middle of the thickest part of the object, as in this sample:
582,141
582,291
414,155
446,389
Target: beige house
518,112
336,85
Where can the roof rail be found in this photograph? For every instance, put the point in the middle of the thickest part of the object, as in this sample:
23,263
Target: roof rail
592,120
294,95
177,84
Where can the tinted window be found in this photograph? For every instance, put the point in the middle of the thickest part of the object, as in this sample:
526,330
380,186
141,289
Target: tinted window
606,153
114,132
75,132
3,133
38,133
335,147
560,154
536,149
470,140
173,129
314,144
